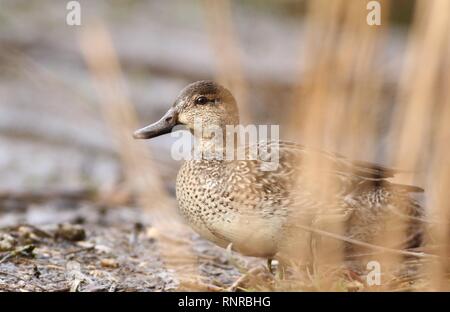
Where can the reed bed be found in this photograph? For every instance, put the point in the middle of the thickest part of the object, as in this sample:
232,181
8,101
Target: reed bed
339,104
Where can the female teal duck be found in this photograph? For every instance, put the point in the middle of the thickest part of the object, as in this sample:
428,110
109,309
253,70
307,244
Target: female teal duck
259,212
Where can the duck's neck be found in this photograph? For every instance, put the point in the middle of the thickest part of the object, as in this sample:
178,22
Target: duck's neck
214,144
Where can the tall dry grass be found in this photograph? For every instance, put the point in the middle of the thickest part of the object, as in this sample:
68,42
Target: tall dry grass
338,107
418,128
225,44
141,174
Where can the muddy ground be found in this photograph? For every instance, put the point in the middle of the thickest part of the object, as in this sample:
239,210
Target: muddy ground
90,247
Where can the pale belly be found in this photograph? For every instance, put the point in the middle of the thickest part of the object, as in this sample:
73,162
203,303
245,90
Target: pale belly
249,236
218,219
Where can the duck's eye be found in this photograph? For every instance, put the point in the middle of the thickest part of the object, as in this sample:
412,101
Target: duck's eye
201,100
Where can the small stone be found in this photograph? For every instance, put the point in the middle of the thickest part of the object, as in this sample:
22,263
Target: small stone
109,263
97,273
7,242
71,232
103,249
27,235
87,245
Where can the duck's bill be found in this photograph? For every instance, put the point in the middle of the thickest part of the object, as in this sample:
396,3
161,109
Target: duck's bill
162,126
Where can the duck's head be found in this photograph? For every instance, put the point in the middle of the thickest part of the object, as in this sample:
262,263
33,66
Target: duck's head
204,101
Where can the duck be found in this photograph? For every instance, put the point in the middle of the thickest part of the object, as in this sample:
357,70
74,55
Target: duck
239,204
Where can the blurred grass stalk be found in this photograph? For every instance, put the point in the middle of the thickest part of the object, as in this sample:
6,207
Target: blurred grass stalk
420,126
425,129
335,105
140,172
225,45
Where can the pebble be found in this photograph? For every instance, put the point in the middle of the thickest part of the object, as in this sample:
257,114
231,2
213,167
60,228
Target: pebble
109,263
7,242
71,232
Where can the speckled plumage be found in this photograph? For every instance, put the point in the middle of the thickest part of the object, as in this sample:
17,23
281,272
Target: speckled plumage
237,202
221,199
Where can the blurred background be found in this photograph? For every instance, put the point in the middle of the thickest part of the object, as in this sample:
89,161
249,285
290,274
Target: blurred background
70,96
50,110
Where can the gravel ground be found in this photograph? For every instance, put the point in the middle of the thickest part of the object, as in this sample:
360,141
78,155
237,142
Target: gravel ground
89,247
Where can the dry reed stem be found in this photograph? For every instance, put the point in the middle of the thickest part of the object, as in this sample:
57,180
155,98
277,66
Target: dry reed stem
439,172
141,174
339,86
417,103
322,23
225,44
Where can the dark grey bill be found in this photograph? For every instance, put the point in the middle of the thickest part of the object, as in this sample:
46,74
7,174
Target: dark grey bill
162,126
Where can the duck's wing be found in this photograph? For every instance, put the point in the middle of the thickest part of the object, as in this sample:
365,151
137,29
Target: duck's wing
296,157
337,162
321,198
258,187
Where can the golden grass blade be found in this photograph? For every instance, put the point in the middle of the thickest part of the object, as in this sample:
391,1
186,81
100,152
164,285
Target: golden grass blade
141,173
225,46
